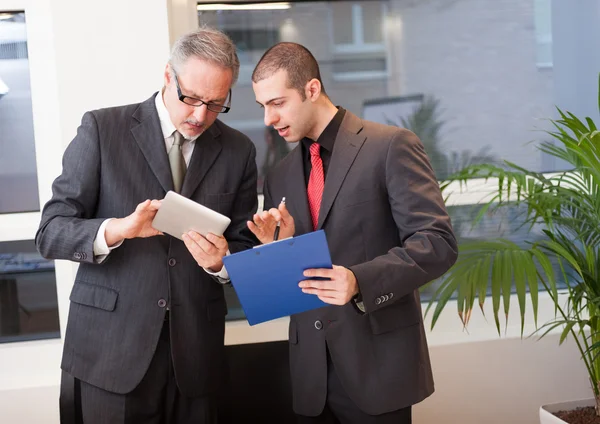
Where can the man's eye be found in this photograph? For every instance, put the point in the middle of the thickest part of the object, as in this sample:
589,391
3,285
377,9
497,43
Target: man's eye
277,104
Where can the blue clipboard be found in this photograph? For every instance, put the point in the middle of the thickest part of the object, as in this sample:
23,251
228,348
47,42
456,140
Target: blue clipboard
266,278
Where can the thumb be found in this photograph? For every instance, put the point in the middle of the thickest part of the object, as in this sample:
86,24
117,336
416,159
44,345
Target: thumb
285,214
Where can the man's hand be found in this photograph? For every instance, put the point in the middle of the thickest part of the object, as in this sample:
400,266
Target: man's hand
138,224
207,251
338,290
263,224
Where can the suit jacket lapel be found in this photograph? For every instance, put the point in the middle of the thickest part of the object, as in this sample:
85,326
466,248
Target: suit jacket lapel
147,133
207,148
297,205
347,145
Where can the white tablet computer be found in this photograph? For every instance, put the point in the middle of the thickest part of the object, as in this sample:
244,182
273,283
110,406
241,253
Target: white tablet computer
178,215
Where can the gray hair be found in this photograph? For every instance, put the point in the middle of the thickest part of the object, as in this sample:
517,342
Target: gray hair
207,44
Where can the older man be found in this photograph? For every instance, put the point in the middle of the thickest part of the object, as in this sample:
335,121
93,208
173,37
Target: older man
144,340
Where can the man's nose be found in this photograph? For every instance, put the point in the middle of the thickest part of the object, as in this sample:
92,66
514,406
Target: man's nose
200,113
271,118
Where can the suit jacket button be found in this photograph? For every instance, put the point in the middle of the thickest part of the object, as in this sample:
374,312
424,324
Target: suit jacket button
386,298
172,262
378,301
391,295
318,324
162,303
77,256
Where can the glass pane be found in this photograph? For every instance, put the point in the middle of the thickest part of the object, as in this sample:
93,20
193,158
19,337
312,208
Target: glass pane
505,223
372,22
18,175
28,301
465,78
343,29
358,65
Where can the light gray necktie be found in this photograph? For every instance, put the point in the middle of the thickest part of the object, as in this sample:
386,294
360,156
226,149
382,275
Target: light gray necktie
177,161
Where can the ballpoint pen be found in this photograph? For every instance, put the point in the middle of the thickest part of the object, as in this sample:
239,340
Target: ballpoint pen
276,235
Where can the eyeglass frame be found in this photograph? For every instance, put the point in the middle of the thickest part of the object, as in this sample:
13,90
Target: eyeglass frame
182,98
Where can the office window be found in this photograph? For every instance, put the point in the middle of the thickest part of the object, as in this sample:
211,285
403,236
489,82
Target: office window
18,175
543,32
28,301
357,26
463,75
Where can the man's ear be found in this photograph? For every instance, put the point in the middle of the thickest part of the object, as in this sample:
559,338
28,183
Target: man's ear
313,89
168,75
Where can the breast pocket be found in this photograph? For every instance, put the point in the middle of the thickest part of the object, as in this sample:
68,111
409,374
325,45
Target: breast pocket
220,202
95,296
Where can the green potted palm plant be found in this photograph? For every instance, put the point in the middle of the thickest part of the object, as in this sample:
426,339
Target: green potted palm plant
567,206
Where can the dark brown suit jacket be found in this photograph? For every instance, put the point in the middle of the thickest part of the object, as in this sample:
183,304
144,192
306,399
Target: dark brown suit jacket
384,218
117,160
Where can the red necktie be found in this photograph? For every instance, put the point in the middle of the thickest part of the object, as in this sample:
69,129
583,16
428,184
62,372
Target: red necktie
316,183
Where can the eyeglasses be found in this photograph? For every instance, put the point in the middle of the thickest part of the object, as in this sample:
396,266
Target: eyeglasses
192,101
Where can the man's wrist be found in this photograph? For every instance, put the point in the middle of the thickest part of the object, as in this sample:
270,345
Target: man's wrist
216,268
112,233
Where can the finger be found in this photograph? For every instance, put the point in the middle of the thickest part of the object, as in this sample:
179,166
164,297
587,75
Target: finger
198,254
258,221
218,241
201,241
285,214
325,296
267,218
317,284
331,300
252,227
155,204
142,206
275,214
320,272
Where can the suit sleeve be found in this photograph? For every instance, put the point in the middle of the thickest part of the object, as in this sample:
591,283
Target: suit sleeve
67,229
428,246
237,234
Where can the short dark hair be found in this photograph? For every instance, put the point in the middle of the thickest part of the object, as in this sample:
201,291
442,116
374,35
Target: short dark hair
299,63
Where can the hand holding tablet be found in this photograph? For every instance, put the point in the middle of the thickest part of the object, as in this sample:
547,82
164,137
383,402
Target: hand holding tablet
178,215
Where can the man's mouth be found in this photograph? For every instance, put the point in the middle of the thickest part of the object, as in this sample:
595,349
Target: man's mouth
283,131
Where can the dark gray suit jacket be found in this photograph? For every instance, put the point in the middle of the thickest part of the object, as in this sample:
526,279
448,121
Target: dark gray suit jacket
117,160
384,218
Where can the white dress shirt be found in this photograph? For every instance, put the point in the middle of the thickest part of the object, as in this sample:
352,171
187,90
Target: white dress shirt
101,249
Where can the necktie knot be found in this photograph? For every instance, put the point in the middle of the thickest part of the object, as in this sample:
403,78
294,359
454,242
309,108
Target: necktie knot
315,149
177,138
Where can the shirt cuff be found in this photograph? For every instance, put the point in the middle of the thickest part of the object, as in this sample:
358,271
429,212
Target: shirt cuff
101,249
358,304
222,276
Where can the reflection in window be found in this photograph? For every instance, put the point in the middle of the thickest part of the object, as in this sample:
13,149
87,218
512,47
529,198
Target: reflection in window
18,176
357,26
543,32
28,300
462,75
506,222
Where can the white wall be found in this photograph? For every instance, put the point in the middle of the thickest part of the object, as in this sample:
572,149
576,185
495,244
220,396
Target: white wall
83,54
88,54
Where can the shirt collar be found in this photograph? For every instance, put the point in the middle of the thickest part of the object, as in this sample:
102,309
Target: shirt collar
166,125
329,134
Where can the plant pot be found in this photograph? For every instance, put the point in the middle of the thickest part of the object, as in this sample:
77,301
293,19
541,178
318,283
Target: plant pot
546,411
